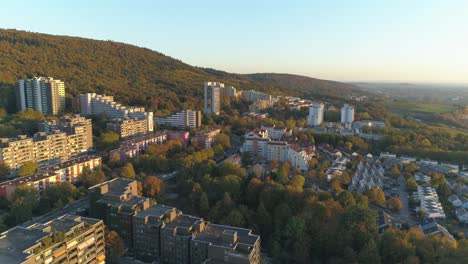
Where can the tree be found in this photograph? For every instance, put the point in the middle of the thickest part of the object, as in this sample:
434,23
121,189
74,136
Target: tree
107,141
23,201
394,204
438,181
395,172
223,140
153,187
27,168
370,253
127,171
92,177
234,218
4,170
376,196
204,205
115,246
346,199
411,185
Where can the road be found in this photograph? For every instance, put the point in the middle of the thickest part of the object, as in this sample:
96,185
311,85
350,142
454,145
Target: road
404,216
70,208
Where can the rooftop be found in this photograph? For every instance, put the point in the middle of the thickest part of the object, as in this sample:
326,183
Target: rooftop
157,210
214,235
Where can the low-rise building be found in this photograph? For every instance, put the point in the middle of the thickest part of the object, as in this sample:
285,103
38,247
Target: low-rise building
260,104
66,239
183,119
430,227
206,137
178,135
429,202
300,157
462,215
137,145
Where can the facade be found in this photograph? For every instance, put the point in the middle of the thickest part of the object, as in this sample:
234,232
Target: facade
260,104
163,234
68,171
315,117
128,127
252,96
225,244
277,133
230,91
137,145
347,114
206,137
68,138
277,150
96,104
45,95
212,97
66,239
178,135
300,157
183,119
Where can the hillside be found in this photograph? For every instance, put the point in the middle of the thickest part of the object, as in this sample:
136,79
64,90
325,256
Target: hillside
305,86
134,75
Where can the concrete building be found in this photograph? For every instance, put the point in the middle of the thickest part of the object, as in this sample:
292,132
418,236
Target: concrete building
128,127
66,239
147,226
137,145
206,137
225,244
45,95
347,114
260,104
96,104
230,91
178,135
429,202
276,133
300,157
252,96
212,97
315,117
115,202
183,119
67,139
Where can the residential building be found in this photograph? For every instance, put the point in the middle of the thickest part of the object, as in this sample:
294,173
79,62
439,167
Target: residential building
347,114
462,215
225,244
367,176
96,104
212,97
115,202
277,133
183,119
455,201
256,143
147,226
206,137
137,145
66,239
315,117
45,95
277,150
300,157
39,180
429,202
430,227
368,123
176,236
252,96
234,159
128,127
178,135
230,91
260,104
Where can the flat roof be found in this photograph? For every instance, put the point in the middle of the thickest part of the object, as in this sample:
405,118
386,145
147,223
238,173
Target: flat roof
156,210
214,234
184,221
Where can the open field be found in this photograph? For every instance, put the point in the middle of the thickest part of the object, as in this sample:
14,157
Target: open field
409,108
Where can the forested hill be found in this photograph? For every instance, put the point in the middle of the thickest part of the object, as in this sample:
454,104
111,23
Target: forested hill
134,75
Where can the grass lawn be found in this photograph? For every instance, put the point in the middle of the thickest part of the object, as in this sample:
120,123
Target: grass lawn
406,107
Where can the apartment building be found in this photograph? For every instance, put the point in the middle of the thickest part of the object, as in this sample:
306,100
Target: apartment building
225,244
300,157
429,202
183,119
147,226
66,239
178,135
137,145
230,91
128,127
252,96
277,150
166,235
115,202
96,104
260,104
68,171
212,97
45,95
206,137
315,117
347,114
277,133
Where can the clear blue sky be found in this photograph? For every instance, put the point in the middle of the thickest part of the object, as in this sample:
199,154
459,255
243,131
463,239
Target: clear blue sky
346,40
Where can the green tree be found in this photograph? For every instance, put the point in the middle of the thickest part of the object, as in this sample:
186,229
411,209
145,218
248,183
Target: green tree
23,201
370,253
153,187
346,199
411,185
127,171
27,168
204,205
395,172
91,177
115,246
376,196
4,170
394,204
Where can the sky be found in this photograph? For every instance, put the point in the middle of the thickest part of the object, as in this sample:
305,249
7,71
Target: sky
344,40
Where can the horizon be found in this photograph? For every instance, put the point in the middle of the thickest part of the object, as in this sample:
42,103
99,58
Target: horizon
277,38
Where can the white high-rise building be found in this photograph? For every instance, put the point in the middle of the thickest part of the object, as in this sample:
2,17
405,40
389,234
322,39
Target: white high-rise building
315,117
212,100
45,95
347,114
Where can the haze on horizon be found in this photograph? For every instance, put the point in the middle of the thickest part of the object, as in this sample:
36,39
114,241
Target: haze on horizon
362,40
